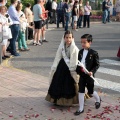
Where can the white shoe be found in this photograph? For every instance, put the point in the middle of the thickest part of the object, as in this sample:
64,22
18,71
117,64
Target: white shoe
39,43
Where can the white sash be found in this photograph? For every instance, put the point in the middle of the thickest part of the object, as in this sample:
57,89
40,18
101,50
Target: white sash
66,59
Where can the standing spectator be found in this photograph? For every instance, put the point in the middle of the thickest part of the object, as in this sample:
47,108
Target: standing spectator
54,7
49,8
5,22
109,3
81,14
75,14
37,11
14,27
105,11
87,10
22,46
29,17
117,6
2,2
66,14
71,3
60,13
45,16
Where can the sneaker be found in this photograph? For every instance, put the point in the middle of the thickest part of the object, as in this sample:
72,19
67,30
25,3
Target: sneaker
21,49
39,44
26,49
44,41
16,54
34,43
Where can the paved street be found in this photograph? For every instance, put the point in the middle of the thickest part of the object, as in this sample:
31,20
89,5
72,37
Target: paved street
106,41
24,80
22,97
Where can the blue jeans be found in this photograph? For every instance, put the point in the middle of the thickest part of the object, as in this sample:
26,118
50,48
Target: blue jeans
66,22
105,15
108,18
79,22
15,31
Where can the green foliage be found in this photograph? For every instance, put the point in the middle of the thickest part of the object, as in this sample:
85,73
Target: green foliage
97,12
23,2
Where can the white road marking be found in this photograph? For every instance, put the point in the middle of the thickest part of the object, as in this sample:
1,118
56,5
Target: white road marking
111,62
109,71
108,84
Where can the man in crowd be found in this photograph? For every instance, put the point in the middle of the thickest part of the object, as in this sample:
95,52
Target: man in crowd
37,11
109,3
54,7
60,13
14,27
105,11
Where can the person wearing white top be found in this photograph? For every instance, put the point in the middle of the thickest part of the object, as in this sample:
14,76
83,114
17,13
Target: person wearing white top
87,10
54,7
6,32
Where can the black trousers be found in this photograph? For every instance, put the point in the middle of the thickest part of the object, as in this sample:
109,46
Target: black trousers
86,81
60,18
86,20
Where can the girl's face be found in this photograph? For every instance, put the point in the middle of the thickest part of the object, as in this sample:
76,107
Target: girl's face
85,44
68,39
3,11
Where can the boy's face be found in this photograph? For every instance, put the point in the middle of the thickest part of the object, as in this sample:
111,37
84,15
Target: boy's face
68,39
85,44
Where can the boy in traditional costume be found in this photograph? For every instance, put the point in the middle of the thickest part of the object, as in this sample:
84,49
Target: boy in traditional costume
90,59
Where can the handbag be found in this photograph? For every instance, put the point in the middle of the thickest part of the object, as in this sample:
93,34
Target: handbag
90,13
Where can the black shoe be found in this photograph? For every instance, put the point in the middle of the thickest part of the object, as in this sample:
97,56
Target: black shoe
78,112
44,41
98,104
15,54
3,58
6,56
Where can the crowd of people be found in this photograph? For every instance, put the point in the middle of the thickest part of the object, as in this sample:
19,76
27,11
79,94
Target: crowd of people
71,12
14,23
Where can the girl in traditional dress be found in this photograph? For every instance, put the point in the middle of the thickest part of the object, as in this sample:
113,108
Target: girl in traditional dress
63,86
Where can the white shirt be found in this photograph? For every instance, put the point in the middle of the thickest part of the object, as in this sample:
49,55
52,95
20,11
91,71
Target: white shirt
87,10
54,5
85,52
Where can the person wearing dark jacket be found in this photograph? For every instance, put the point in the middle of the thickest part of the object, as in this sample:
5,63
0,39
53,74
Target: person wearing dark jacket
49,8
90,59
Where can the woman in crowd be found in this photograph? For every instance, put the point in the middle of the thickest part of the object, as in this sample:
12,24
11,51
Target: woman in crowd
29,17
81,13
63,79
117,6
75,14
22,46
87,10
45,16
5,23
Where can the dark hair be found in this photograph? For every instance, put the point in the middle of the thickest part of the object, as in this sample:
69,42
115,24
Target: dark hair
13,1
28,4
66,0
88,37
68,32
1,0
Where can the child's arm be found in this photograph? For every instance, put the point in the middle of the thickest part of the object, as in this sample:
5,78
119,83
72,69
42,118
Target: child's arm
96,63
